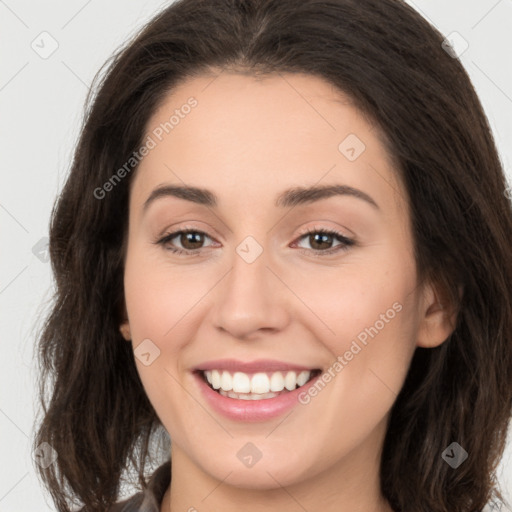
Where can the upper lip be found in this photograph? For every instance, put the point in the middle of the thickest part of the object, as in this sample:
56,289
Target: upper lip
258,365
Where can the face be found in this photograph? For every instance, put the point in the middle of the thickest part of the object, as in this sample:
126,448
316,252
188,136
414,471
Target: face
302,309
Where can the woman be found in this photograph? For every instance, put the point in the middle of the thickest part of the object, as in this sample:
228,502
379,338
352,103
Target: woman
285,241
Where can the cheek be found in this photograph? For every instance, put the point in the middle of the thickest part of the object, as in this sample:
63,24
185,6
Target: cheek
375,321
374,300
372,315
164,306
157,302
376,313
159,297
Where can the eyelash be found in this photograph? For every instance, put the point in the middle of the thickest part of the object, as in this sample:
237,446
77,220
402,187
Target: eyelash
345,242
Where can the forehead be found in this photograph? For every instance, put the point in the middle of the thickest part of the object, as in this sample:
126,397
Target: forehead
238,133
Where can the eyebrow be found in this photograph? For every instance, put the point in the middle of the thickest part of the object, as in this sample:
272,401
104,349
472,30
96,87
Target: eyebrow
289,198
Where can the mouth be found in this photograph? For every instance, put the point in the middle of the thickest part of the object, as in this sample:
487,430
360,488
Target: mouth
256,385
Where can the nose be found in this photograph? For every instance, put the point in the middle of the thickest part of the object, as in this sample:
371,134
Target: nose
252,299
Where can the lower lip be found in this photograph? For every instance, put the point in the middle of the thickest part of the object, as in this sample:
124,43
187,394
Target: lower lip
251,410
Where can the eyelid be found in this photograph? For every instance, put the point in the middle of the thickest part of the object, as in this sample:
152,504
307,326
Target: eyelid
346,241
169,234
313,229
302,231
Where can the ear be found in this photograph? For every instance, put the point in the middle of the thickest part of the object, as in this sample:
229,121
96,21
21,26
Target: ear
124,328
438,316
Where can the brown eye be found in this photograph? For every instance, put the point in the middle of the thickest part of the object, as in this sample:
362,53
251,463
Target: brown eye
184,241
191,239
321,241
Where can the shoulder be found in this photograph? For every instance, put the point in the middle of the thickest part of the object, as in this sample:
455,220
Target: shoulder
150,499
133,504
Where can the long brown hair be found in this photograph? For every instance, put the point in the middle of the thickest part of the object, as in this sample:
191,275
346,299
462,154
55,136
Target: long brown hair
392,63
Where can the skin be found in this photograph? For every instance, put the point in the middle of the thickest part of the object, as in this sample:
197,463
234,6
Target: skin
247,141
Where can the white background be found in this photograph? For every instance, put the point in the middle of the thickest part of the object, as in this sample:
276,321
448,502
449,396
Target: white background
41,103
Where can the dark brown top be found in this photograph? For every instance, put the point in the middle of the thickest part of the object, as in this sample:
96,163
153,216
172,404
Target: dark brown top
151,498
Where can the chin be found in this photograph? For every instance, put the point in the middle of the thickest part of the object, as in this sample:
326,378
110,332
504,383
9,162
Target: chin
262,476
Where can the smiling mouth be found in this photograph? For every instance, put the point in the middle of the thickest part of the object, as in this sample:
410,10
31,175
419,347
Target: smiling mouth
256,386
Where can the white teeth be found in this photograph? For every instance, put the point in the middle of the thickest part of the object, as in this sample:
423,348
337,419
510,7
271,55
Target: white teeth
277,382
259,383
215,379
247,396
226,381
290,381
241,383
303,377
